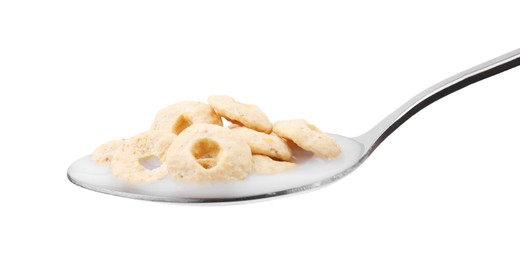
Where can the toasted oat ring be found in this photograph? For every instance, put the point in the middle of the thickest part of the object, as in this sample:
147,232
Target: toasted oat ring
104,153
262,143
179,116
127,163
245,114
308,137
205,152
265,165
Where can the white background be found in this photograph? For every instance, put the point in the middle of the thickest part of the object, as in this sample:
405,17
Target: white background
75,74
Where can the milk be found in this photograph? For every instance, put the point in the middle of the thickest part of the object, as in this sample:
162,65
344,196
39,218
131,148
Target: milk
311,170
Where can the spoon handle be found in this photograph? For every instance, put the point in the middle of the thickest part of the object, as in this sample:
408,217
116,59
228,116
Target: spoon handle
373,138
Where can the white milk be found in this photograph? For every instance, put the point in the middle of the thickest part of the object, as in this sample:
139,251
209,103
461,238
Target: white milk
310,169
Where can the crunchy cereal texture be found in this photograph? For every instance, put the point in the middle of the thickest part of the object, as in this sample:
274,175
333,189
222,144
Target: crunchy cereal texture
266,165
262,143
205,152
247,115
104,153
126,163
308,137
179,116
188,142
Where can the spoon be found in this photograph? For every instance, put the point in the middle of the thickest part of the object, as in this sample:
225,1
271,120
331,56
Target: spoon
311,173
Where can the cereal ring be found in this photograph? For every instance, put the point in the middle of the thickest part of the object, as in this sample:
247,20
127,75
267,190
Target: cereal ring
262,143
308,137
248,115
179,116
104,153
127,163
265,165
205,152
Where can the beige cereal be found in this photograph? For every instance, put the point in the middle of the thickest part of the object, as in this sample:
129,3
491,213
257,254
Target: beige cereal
262,143
179,116
265,165
205,152
245,114
127,161
308,137
104,153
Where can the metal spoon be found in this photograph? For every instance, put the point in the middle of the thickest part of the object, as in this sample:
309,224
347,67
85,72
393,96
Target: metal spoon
312,172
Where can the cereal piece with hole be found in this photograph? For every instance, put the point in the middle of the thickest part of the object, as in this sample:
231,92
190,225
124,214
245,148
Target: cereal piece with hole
262,143
179,116
104,153
131,162
205,152
247,115
308,137
265,165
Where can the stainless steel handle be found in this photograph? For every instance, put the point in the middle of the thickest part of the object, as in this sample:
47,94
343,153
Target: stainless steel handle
373,138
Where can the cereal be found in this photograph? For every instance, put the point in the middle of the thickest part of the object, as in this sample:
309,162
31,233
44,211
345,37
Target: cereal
308,137
127,161
188,142
265,165
205,152
245,114
261,143
179,116
104,153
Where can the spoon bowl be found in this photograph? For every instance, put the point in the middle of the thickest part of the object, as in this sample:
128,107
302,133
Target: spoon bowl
312,172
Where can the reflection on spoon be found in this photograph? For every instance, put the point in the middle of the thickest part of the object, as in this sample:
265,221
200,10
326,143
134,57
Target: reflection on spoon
311,172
